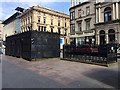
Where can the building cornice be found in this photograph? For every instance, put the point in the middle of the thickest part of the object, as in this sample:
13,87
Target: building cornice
46,10
103,23
81,4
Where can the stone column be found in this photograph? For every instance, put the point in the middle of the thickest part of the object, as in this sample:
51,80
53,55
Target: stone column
113,11
99,14
97,39
116,37
117,11
107,41
96,15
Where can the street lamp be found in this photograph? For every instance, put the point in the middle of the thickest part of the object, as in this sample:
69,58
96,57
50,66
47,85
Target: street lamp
93,40
87,40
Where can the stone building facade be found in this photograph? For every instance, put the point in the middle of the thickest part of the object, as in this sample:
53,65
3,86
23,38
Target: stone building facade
74,2
104,22
107,22
46,20
82,20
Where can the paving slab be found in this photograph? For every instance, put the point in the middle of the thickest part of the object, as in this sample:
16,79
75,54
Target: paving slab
66,73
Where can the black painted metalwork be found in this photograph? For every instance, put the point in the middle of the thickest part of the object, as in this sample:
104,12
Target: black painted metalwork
33,45
91,54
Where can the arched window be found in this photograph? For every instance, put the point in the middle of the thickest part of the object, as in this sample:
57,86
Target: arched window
102,37
107,14
111,35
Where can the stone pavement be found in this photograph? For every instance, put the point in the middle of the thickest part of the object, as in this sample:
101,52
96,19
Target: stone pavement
70,74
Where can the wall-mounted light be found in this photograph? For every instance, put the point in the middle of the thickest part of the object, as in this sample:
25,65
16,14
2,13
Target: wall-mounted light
87,40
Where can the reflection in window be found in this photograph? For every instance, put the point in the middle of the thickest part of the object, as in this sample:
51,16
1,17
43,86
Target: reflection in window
72,28
79,26
79,13
87,25
87,11
44,20
38,19
107,14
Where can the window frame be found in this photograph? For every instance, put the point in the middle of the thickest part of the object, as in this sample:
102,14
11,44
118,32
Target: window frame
44,20
38,19
79,13
58,22
44,29
79,26
107,14
87,10
38,28
72,28
51,21
87,25
72,15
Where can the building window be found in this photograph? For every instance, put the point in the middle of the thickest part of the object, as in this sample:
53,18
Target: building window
39,19
38,28
44,20
65,32
58,22
65,24
44,29
58,17
31,27
87,10
44,14
38,13
72,15
26,29
51,21
88,25
51,29
59,30
79,13
31,19
28,19
24,22
107,14
79,26
111,36
72,28
102,37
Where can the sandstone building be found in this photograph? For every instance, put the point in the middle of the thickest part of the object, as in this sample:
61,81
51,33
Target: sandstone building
46,20
95,22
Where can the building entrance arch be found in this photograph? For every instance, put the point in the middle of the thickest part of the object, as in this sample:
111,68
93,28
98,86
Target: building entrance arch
111,36
102,37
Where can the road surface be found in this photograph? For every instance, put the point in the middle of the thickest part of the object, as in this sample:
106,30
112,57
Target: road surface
56,73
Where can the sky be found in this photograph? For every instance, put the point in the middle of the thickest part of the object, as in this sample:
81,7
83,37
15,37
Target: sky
7,7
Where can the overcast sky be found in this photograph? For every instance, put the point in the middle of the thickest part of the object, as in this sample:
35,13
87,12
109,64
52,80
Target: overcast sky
7,7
